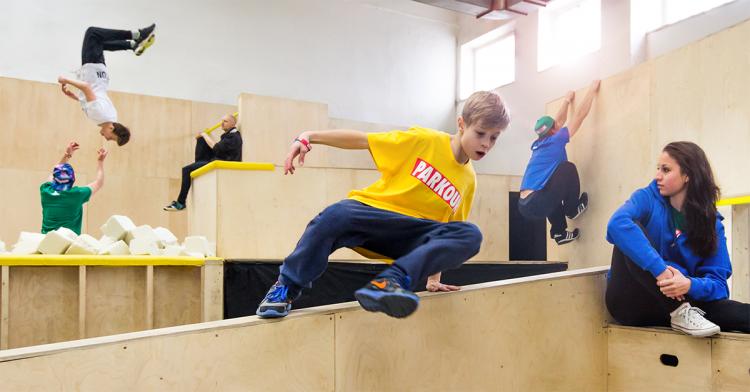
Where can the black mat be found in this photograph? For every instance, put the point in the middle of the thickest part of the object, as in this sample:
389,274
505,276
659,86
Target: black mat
246,281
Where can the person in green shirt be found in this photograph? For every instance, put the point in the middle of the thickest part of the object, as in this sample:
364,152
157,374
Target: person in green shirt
62,203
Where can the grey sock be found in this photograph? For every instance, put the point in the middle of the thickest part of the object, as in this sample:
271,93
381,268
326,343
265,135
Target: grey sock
133,44
136,34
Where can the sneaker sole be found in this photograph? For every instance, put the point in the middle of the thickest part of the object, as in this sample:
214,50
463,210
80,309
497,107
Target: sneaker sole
394,305
698,334
563,242
145,44
273,313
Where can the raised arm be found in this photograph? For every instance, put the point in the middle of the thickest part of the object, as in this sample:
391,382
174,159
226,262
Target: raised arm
340,138
72,147
81,85
99,182
583,110
562,114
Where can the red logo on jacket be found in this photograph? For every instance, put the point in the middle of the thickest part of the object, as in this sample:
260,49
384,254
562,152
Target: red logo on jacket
443,187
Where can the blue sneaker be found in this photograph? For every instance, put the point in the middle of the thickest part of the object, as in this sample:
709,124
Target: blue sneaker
277,303
386,295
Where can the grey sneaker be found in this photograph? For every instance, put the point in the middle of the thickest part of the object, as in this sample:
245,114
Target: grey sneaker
690,320
278,301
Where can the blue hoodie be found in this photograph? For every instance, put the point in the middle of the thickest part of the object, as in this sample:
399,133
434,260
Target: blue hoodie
646,206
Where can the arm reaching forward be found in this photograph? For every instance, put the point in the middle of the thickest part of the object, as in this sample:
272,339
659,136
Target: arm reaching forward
341,138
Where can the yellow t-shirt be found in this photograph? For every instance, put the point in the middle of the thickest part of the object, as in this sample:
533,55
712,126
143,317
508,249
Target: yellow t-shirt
420,177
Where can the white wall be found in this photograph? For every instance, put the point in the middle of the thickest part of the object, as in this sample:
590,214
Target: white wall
383,61
623,45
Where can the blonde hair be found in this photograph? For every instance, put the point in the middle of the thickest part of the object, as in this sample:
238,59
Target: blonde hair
487,109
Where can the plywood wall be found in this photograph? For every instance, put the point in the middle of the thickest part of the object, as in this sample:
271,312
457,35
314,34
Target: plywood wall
696,93
490,337
262,214
140,178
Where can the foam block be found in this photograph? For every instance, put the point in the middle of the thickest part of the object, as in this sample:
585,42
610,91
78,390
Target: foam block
144,232
56,242
84,245
165,236
28,243
197,244
143,246
172,250
118,248
117,226
25,248
26,236
191,254
105,241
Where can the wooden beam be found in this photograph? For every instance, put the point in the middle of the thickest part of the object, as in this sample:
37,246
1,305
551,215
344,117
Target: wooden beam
81,302
740,253
150,296
4,306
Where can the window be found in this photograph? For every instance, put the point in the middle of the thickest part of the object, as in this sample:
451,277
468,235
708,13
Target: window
676,10
568,30
488,62
649,15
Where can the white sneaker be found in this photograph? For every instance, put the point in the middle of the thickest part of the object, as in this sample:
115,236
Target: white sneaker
690,320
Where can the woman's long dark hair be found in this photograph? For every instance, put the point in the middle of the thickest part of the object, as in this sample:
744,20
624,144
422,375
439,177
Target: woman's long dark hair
701,198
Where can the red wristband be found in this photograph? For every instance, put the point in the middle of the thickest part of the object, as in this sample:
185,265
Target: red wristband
304,143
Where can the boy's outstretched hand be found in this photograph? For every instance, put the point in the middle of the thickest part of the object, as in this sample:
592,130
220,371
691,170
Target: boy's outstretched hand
435,285
297,148
72,147
102,154
595,85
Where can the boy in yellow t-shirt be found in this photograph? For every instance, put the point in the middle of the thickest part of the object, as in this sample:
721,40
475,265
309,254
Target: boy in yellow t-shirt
413,214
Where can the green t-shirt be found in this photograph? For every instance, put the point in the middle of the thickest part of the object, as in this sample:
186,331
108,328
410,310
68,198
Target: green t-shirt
678,219
64,208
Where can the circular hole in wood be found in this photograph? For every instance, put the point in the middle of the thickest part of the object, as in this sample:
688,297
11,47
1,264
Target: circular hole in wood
669,360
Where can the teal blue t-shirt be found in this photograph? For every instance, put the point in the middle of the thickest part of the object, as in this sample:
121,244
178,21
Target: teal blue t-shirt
63,208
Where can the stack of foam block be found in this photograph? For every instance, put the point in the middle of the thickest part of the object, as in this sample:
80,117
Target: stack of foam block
120,236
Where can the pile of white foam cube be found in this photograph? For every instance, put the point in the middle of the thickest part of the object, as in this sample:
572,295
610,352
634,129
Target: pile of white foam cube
120,236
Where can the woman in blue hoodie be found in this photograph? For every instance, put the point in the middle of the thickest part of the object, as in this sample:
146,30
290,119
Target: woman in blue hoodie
670,263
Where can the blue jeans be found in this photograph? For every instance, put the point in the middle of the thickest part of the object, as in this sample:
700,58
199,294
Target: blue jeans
419,247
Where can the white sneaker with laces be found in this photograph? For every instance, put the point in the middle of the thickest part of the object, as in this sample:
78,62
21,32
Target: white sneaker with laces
690,320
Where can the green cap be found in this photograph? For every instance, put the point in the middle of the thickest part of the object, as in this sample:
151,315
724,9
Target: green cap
544,125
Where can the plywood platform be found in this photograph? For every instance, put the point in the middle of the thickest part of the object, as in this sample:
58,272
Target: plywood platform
493,336
47,299
637,357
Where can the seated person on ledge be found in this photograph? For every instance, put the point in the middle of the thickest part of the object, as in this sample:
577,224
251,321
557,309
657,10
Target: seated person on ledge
229,148
62,203
670,255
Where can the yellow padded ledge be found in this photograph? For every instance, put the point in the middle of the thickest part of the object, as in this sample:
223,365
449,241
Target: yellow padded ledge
111,261
733,201
231,166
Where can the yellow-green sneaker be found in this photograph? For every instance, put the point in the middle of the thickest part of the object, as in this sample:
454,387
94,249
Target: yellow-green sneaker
145,44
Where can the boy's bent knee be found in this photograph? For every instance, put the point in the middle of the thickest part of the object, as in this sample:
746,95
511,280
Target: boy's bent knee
470,235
